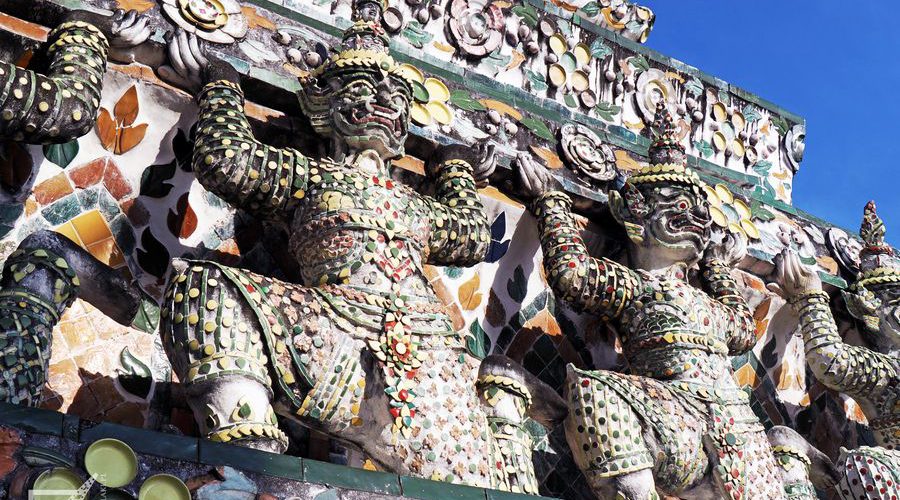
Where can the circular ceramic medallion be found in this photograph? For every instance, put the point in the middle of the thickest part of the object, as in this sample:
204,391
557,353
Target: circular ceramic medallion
57,479
586,154
219,21
111,462
653,87
164,487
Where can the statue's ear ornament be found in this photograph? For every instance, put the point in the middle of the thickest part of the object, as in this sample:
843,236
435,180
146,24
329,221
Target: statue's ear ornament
629,209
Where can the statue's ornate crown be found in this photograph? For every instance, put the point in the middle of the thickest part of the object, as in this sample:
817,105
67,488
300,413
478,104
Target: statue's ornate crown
668,161
364,44
877,262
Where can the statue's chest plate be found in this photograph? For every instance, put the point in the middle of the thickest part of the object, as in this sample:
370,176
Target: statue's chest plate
350,219
669,326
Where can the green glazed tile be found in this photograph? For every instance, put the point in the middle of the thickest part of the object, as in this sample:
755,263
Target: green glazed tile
31,419
248,459
350,477
429,490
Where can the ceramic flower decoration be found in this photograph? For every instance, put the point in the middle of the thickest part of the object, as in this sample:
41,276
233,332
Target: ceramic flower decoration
219,21
431,96
586,154
653,86
794,142
476,26
731,213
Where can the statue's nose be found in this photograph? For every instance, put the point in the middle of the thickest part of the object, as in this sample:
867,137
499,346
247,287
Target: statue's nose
383,92
701,212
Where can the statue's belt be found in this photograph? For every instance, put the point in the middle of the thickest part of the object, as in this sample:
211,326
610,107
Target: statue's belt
354,219
676,339
710,394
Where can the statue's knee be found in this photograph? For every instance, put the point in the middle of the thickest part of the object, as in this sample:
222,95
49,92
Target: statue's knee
209,328
604,430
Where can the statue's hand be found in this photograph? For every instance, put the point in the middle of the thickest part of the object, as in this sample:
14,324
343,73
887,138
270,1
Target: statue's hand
725,247
481,158
127,31
532,178
124,30
792,277
485,164
190,67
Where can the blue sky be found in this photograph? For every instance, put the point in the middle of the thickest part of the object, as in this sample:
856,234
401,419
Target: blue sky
837,64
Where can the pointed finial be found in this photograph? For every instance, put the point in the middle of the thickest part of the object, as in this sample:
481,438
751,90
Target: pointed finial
872,229
663,127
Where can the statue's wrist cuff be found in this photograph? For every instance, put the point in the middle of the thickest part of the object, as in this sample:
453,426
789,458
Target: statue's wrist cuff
221,85
808,296
551,199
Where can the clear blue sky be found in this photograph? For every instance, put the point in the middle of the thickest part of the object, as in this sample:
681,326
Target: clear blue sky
835,63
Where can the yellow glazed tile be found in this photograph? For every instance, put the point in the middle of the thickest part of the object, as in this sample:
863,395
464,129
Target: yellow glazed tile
92,227
68,230
107,252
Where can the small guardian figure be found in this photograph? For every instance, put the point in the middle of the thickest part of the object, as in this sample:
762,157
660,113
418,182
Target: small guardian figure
678,424
870,376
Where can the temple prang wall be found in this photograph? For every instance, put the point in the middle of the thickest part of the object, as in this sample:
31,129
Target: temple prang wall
572,85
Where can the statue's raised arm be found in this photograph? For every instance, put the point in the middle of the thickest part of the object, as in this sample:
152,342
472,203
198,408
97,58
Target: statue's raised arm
228,160
62,104
585,283
460,234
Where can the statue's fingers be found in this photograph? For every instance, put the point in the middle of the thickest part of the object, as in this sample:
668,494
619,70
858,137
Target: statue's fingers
137,33
175,53
187,57
169,74
129,18
197,51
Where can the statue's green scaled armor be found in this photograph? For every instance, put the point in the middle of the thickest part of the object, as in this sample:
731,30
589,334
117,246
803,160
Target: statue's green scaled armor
61,105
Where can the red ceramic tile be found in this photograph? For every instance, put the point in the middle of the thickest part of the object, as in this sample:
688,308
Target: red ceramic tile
52,189
115,183
25,28
88,174
10,442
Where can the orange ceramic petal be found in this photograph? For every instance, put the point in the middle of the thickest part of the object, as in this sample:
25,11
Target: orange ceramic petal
127,108
129,137
106,129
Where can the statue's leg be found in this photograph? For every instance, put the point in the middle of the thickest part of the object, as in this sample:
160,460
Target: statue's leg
214,340
869,473
742,460
802,467
507,394
39,281
32,279
621,428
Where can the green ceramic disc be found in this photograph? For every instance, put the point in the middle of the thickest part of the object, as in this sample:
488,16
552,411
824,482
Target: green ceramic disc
111,462
164,487
59,479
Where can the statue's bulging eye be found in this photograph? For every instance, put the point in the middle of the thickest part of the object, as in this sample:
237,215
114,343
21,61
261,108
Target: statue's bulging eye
682,205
